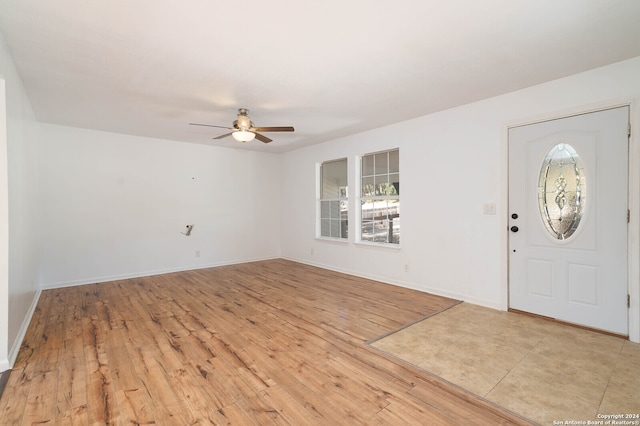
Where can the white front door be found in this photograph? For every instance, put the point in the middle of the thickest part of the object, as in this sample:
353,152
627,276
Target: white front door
568,201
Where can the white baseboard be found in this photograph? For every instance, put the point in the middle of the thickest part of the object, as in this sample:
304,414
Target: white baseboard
107,278
405,284
15,348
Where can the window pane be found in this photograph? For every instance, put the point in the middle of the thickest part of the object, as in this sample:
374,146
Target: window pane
381,163
381,221
367,231
381,184
394,161
396,231
380,231
334,218
367,165
385,188
334,179
325,227
394,180
335,228
344,210
335,210
344,219
368,186
325,209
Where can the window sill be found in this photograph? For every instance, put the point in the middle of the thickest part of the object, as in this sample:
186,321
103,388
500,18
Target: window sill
333,240
381,246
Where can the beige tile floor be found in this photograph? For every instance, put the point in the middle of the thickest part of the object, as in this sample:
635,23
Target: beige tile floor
536,368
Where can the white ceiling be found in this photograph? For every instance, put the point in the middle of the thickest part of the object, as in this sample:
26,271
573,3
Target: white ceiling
330,68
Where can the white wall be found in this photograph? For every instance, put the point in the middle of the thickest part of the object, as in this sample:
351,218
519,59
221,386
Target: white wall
4,235
114,206
19,221
451,164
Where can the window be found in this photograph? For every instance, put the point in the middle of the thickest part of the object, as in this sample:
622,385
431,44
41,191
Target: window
380,198
561,191
334,209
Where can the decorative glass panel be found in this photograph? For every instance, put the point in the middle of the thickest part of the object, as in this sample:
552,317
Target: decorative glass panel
561,191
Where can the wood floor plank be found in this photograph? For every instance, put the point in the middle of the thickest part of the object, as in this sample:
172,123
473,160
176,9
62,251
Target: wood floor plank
42,400
12,408
73,417
407,412
166,405
272,342
134,406
101,404
71,367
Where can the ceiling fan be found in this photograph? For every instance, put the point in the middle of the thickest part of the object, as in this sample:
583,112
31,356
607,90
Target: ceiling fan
243,130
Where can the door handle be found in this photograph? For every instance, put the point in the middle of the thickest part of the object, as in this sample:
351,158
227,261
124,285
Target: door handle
514,229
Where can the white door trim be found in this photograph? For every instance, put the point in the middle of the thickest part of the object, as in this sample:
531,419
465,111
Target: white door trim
633,240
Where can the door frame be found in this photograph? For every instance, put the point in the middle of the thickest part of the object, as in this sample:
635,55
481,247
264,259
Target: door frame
633,230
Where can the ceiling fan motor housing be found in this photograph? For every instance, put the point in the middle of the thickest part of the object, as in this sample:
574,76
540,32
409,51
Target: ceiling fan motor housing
243,122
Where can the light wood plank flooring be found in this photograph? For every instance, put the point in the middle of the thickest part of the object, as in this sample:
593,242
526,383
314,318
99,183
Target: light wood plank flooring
272,342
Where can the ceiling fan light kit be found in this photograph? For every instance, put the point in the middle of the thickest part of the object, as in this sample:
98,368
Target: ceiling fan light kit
243,135
244,131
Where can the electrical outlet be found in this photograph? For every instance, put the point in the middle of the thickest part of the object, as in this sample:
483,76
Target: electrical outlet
406,267
197,253
311,250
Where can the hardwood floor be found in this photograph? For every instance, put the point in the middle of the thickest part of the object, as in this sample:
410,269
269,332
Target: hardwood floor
272,342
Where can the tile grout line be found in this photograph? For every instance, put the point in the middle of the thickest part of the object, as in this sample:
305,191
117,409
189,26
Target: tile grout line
515,365
615,365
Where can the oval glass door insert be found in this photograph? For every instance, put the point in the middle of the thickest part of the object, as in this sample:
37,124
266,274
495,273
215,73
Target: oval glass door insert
561,191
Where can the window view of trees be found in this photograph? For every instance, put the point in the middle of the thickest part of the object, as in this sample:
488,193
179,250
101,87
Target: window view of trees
380,197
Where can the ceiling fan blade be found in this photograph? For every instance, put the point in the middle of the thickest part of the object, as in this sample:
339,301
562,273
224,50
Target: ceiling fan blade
210,125
262,138
223,136
274,129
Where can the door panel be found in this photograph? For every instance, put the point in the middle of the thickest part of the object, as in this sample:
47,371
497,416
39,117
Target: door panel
539,277
568,182
583,284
